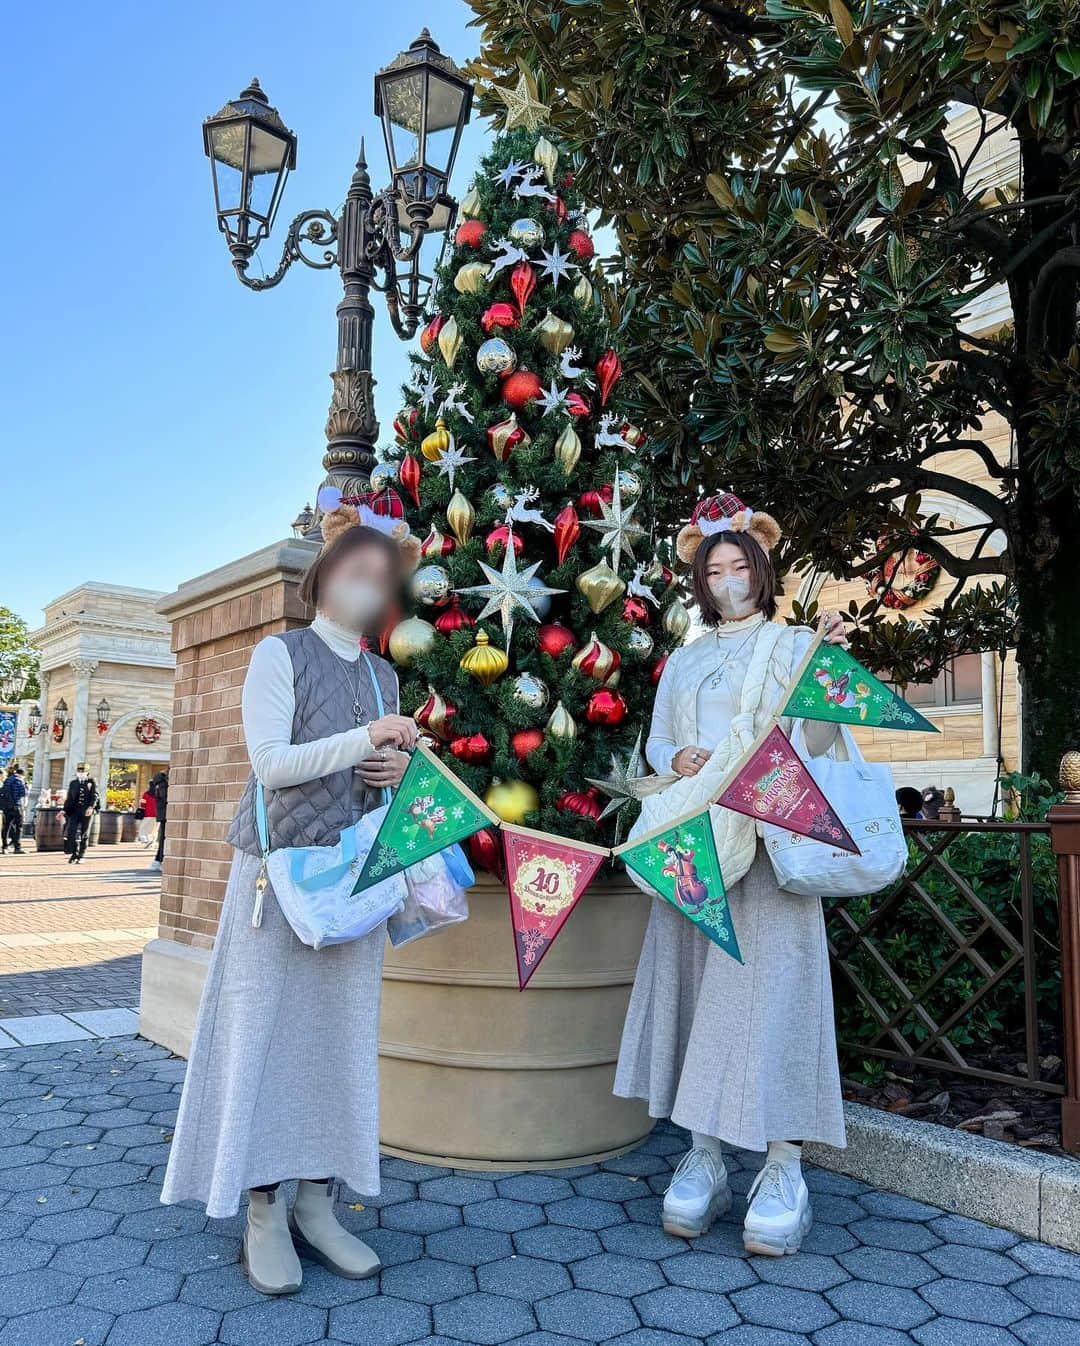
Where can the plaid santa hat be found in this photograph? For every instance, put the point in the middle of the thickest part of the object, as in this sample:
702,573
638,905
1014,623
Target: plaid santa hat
723,514
382,510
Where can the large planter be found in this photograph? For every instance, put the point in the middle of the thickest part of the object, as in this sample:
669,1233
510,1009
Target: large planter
49,830
110,826
479,1074
130,828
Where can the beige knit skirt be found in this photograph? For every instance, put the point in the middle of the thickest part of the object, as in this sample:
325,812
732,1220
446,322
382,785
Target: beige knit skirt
745,1052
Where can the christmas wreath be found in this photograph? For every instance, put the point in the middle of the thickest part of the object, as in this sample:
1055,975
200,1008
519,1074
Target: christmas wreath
904,577
148,730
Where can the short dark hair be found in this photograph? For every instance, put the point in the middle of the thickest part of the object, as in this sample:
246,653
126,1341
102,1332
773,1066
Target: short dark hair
909,801
352,539
762,575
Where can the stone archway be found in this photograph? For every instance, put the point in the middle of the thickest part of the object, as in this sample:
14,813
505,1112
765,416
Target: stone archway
156,753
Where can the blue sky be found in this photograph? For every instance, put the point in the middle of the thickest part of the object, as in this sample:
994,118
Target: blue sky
158,419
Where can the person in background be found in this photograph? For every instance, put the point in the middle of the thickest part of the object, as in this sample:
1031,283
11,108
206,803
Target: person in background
159,791
13,809
80,805
148,825
909,802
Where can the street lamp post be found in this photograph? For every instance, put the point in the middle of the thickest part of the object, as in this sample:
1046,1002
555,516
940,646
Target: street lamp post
423,101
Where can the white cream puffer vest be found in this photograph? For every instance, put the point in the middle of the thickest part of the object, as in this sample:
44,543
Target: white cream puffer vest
772,663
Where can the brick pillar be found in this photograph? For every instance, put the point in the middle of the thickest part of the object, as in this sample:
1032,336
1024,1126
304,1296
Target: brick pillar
216,620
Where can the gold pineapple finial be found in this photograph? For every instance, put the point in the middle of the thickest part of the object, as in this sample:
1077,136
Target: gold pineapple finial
1069,776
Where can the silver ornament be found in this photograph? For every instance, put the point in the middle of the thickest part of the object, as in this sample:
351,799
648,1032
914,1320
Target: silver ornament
531,690
495,356
640,642
502,496
629,484
540,600
526,233
383,475
430,584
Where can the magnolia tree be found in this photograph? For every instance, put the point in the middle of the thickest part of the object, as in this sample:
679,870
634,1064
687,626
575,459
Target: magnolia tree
801,243
540,615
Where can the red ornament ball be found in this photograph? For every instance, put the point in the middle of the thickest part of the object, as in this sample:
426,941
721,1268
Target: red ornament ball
554,639
577,405
526,741
474,748
498,315
558,208
496,540
409,476
658,668
589,501
430,335
581,245
470,233
485,852
454,618
635,610
521,388
606,707
585,803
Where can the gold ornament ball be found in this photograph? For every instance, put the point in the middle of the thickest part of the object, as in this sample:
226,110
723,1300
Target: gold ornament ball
512,800
676,620
526,233
433,446
470,205
547,156
471,278
461,516
531,691
568,449
409,639
561,724
555,334
484,662
583,291
430,584
495,356
450,342
601,586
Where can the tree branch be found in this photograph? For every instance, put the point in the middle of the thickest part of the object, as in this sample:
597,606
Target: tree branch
1066,262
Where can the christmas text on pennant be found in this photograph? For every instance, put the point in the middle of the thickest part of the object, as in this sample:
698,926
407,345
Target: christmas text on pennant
771,784
545,876
430,810
679,861
831,684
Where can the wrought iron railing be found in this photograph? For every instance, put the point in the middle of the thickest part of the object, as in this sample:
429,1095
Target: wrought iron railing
959,957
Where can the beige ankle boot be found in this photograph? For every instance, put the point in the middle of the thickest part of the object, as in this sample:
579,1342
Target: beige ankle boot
319,1236
267,1253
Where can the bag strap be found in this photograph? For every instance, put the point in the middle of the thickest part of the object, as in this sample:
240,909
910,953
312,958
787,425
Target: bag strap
379,703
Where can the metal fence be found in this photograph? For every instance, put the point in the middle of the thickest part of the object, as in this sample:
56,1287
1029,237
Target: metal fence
940,970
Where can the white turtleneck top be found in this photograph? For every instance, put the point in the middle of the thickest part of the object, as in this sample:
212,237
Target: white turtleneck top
268,704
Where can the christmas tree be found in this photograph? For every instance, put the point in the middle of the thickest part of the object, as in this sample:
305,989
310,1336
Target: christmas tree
540,615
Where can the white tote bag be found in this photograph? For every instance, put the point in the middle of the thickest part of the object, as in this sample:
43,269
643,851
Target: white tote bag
864,797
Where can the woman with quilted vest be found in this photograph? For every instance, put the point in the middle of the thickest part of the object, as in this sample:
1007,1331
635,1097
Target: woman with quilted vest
737,1052
282,1081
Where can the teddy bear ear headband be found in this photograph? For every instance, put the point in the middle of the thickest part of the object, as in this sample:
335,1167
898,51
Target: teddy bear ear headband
725,514
382,510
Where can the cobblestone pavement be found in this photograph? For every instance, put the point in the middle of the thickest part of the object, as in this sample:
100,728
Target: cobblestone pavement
89,1257
71,935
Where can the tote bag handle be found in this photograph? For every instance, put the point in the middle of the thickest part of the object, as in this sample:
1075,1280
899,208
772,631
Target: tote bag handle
847,738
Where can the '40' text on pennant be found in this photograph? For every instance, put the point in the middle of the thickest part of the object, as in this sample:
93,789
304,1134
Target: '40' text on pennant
679,861
831,684
430,810
545,877
771,784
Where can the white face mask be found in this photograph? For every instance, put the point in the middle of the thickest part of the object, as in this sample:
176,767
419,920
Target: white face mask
732,594
80,775
353,602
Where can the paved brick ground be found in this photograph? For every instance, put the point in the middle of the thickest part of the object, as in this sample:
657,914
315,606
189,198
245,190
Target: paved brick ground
89,1256
71,935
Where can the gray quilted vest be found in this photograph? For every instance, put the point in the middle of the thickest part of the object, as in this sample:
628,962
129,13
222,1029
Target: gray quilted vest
316,813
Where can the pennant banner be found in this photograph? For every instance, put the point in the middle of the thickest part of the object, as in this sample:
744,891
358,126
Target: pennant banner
679,861
430,810
832,685
772,785
545,876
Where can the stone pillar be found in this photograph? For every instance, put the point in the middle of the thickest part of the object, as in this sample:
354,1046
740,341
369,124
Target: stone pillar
216,621
80,716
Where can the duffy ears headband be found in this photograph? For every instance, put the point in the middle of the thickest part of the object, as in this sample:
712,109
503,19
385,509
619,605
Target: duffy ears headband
382,510
723,514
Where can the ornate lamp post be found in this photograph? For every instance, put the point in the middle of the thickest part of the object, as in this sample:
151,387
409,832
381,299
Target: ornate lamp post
424,102
12,682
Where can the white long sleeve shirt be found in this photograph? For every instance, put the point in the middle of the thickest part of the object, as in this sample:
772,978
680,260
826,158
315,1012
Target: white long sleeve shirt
268,705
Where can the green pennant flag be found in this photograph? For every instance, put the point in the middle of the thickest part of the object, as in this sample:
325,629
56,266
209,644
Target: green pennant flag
679,861
831,684
430,810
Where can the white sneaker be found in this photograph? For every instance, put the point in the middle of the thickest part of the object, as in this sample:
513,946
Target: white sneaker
697,1194
779,1215
155,864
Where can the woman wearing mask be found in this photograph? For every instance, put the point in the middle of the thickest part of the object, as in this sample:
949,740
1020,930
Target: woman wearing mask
282,1079
737,1053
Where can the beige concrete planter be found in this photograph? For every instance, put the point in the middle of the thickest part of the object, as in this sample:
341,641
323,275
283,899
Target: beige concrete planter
479,1074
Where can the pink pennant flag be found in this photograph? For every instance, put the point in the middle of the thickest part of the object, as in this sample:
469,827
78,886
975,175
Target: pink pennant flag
545,876
772,785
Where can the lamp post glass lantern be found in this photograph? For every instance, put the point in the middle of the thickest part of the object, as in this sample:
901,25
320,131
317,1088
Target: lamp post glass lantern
12,682
103,709
33,720
375,241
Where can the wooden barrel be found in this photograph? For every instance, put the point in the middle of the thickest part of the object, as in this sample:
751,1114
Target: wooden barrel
49,830
130,828
110,826
479,1074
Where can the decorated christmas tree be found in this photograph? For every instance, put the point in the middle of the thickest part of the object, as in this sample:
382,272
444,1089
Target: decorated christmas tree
540,615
